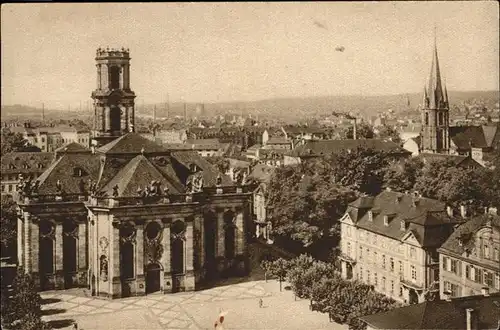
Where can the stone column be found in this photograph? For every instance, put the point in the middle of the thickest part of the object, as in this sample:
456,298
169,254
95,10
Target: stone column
139,264
20,241
105,77
98,76
189,280
201,241
220,234
26,243
121,76
240,232
126,127
126,76
114,262
82,253
59,276
165,259
131,117
35,248
107,115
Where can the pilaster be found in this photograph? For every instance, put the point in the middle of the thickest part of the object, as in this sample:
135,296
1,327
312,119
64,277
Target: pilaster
114,262
189,280
165,259
220,234
59,276
240,232
139,257
82,253
35,248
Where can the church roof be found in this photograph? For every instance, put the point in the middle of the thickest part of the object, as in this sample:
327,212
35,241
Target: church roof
138,174
131,143
434,94
72,147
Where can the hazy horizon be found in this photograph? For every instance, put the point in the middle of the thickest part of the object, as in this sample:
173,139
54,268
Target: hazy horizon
240,52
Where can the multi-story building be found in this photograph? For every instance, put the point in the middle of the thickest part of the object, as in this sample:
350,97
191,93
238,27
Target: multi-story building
48,139
391,242
15,165
130,217
470,257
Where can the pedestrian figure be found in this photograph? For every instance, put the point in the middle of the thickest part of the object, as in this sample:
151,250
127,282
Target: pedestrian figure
260,303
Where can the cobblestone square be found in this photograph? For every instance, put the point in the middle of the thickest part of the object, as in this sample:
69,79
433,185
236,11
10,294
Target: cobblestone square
193,310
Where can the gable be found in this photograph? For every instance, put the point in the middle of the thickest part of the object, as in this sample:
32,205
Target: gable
347,219
410,238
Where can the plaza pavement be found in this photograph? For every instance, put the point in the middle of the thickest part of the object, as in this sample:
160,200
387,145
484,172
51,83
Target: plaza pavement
187,310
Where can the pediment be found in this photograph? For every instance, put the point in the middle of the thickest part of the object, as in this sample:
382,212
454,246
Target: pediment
410,238
347,219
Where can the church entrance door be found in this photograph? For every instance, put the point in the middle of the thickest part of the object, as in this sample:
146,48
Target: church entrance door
153,273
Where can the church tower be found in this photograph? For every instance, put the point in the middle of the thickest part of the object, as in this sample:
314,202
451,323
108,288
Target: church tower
435,112
113,99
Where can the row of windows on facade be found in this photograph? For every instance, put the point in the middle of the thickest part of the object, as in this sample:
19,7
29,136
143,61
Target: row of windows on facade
384,263
472,273
127,248
368,280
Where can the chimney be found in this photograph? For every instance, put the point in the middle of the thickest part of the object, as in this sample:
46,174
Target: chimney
449,210
469,319
485,291
463,211
92,149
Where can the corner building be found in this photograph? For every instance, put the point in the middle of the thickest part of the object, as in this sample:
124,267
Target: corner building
390,241
130,218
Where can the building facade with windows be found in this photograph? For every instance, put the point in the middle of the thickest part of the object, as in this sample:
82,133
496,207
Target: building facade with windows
470,257
390,241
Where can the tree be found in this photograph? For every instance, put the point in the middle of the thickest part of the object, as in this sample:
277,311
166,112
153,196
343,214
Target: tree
21,308
361,169
389,132
401,176
14,142
455,186
363,131
8,224
372,303
279,269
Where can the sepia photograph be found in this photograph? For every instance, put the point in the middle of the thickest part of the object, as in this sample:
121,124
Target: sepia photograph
250,165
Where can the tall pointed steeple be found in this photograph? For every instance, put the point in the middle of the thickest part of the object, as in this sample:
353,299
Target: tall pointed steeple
435,91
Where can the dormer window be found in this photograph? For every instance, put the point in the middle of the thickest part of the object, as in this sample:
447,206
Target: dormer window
403,225
25,165
39,165
11,166
386,220
77,171
370,216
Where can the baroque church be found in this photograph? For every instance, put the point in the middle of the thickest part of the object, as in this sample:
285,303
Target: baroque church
129,217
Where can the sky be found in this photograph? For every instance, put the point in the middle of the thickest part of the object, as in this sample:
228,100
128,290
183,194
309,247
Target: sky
217,52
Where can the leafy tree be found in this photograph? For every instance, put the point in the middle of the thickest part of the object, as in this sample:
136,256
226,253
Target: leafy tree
402,176
389,132
372,303
360,169
21,308
279,269
13,142
8,224
456,186
363,131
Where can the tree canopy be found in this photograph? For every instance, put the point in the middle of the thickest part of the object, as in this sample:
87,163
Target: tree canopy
389,132
12,142
363,131
8,224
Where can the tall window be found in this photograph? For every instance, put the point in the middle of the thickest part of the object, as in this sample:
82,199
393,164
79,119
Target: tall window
392,264
229,235
114,77
401,269
348,249
46,247
383,283
177,241
413,273
127,260
392,286
368,277
383,261
486,251
413,253
375,279
360,253
426,118
70,234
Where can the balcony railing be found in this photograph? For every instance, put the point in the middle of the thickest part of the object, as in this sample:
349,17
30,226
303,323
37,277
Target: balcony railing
139,200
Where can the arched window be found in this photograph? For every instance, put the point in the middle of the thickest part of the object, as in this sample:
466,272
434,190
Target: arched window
70,246
127,260
115,118
177,242
46,256
114,77
229,235
426,118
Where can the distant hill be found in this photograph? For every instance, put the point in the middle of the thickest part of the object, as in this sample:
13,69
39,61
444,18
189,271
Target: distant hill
282,108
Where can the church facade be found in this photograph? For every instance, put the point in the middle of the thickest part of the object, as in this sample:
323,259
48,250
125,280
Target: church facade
129,217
